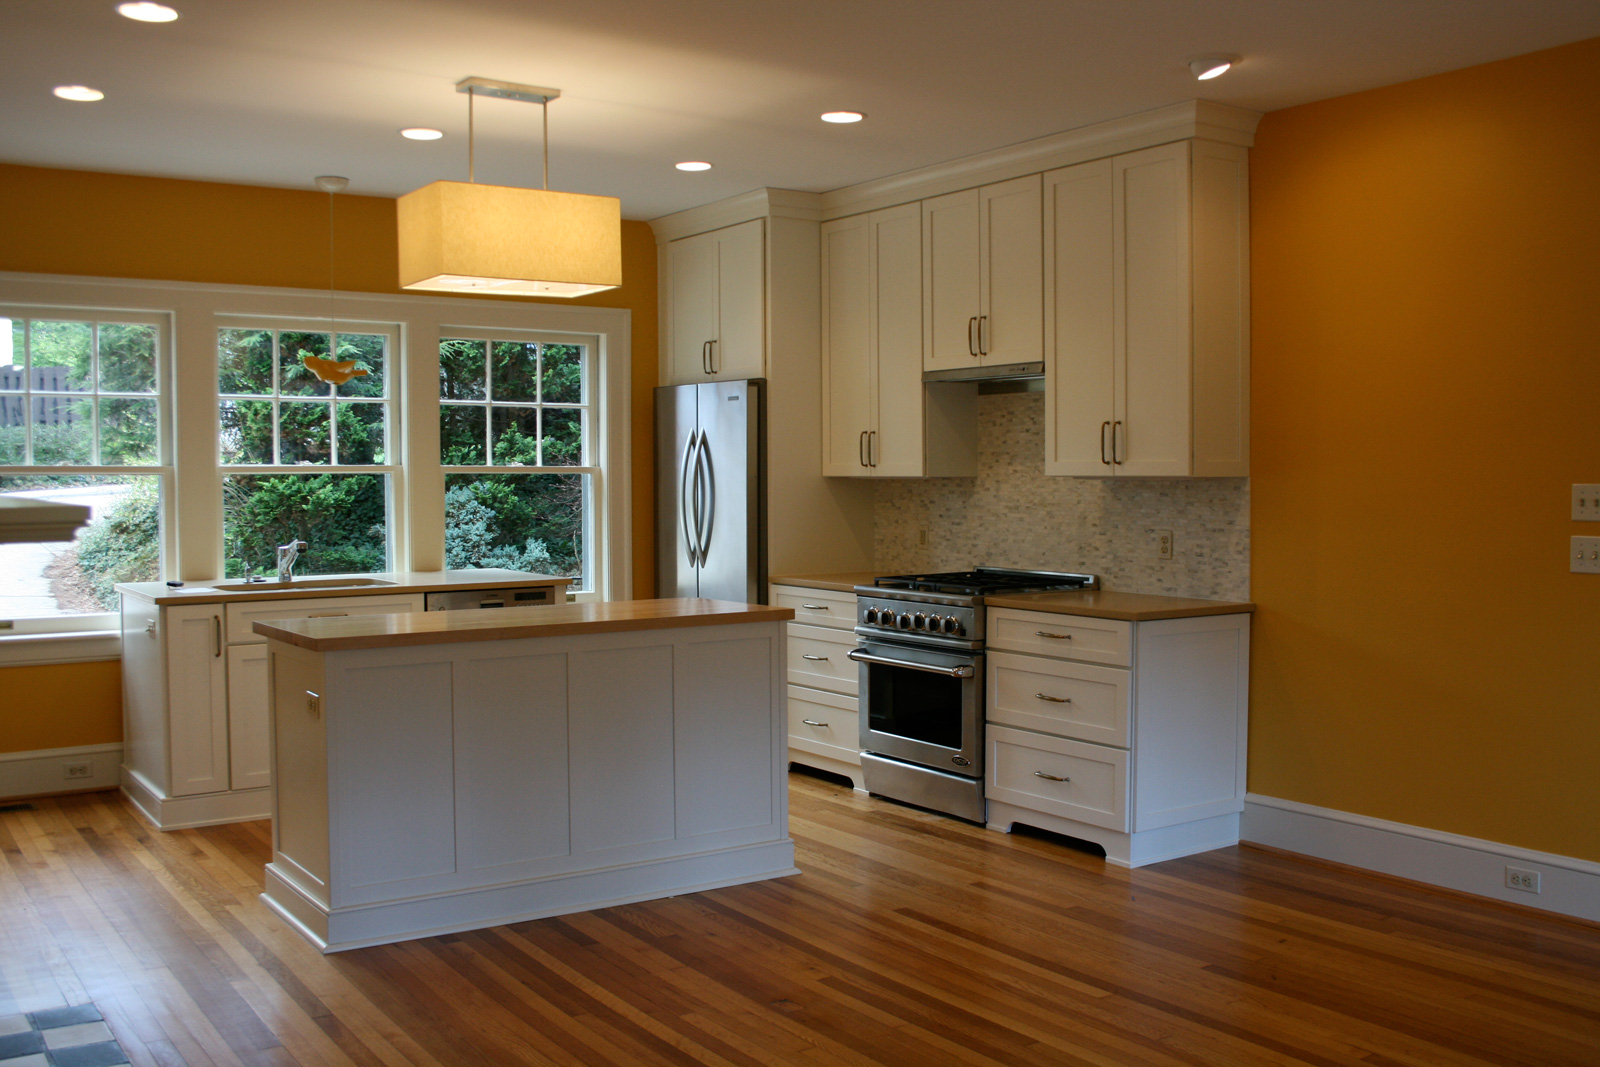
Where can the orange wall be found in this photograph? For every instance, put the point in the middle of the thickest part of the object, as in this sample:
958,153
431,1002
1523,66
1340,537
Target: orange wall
60,705
1426,388
121,226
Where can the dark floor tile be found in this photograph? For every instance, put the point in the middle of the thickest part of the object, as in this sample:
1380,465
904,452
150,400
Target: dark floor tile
14,1045
49,1020
102,1054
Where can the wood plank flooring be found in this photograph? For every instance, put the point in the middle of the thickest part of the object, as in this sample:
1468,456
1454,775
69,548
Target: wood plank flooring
908,939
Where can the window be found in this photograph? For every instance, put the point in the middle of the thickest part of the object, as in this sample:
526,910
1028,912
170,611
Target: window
305,426
517,432
81,422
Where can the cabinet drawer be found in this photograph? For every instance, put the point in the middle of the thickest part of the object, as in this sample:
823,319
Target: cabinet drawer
824,724
1054,696
242,615
1085,782
1064,636
819,657
817,607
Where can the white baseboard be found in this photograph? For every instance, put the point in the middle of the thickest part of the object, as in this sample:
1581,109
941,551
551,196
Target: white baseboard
205,809
44,770
1568,886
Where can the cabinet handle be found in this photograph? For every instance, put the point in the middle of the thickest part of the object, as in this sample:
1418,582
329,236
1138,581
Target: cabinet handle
983,349
1047,633
713,345
872,448
815,607
819,659
1053,700
972,346
705,357
813,722
1050,777
216,633
861,449
1116,434
1104,426
329,615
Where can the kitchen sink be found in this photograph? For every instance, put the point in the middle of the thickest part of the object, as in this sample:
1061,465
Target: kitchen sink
239,585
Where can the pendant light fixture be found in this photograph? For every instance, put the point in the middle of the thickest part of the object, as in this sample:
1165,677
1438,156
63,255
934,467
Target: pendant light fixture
460,237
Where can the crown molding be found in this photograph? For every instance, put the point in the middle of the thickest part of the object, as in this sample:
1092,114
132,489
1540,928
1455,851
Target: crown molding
756,204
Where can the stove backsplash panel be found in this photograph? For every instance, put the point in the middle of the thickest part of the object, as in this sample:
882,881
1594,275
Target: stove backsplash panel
1011,515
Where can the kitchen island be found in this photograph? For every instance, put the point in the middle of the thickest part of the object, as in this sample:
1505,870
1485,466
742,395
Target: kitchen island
454,770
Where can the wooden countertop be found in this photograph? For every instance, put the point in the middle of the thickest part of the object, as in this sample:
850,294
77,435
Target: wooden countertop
505,624
402,582
842,582
1109,604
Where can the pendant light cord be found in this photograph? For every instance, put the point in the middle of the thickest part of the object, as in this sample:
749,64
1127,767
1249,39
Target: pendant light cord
472,170
545,107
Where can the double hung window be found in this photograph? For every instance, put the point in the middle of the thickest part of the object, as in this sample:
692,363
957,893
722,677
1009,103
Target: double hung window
82,421
306,441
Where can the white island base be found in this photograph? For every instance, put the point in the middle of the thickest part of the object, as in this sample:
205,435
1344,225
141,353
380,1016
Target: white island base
463,775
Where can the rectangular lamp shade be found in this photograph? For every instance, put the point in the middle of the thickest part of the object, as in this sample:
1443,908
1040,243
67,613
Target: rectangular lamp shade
458,237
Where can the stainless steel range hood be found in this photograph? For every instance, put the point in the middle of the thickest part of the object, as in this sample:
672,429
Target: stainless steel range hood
994,372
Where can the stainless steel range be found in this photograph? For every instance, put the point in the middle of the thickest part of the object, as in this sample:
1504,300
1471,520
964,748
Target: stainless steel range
921,657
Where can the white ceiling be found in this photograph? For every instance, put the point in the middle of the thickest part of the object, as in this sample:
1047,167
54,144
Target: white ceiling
273,92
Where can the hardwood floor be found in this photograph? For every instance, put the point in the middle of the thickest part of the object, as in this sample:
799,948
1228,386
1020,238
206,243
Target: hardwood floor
909,939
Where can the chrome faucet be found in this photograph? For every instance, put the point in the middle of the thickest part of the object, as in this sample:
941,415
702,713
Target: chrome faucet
287,554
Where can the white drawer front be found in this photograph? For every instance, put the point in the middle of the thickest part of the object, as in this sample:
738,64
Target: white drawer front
1065,636
1077,700
817,607
824,724
1071,779
242,614
819,657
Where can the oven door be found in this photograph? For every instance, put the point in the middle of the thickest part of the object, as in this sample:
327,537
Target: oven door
922,705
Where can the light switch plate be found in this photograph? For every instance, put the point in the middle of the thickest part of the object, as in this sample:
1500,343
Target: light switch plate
1585,556
1586,503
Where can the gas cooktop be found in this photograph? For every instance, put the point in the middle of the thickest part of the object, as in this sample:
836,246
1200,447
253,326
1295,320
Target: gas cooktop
983,581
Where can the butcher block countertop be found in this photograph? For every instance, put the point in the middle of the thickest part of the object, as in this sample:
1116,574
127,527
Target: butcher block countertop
842,582
1109,604
509,624
310,586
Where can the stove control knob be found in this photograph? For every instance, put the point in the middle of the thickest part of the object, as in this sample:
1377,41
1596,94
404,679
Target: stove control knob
870,616
952,625
904,620
919,621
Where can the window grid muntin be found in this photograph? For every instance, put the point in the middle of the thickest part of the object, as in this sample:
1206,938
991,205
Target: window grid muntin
488,404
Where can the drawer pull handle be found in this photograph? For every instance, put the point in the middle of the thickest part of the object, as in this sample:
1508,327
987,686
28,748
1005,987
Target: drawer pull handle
815,607
1053,700
329,615
807,655
813,722
1050,777
1047,633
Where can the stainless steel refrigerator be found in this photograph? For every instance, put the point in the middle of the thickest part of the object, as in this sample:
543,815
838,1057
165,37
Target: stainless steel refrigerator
711,491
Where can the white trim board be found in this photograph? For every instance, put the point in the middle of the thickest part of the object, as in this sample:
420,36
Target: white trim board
1568,886
43,771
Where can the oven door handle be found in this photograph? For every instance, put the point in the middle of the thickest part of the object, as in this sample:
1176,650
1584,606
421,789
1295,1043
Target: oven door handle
964,671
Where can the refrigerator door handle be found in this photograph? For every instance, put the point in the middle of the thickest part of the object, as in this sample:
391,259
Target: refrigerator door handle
688,471
708,498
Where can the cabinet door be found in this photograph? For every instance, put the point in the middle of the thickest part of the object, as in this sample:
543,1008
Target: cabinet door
1152,295
740,351
950,281
846,359
693,265
1011,272
1079,316
197,700
249,735
896,446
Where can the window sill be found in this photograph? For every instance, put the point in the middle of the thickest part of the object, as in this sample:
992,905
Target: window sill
72,646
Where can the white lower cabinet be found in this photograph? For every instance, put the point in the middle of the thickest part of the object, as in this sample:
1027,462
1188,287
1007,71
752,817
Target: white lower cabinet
1130,735
196,731
824,705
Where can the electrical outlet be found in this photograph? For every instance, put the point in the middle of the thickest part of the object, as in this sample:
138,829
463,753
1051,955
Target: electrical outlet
922,538
1164,544
1586,503
78,770
1585,555
1523,879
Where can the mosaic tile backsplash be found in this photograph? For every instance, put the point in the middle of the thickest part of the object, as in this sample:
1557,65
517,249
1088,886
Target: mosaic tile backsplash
1011,515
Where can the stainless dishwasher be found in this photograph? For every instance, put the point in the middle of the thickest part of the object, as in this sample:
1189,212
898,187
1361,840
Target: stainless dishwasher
462,599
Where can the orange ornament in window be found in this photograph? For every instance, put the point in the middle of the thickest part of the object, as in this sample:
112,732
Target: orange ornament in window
333,370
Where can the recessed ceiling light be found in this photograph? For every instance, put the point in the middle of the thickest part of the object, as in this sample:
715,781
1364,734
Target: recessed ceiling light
421,133
842,116
80,93
694,164
145,11
1207,67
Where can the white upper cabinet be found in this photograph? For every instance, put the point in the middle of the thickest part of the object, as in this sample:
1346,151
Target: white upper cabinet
718,291
983,292
1147,357
879,420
